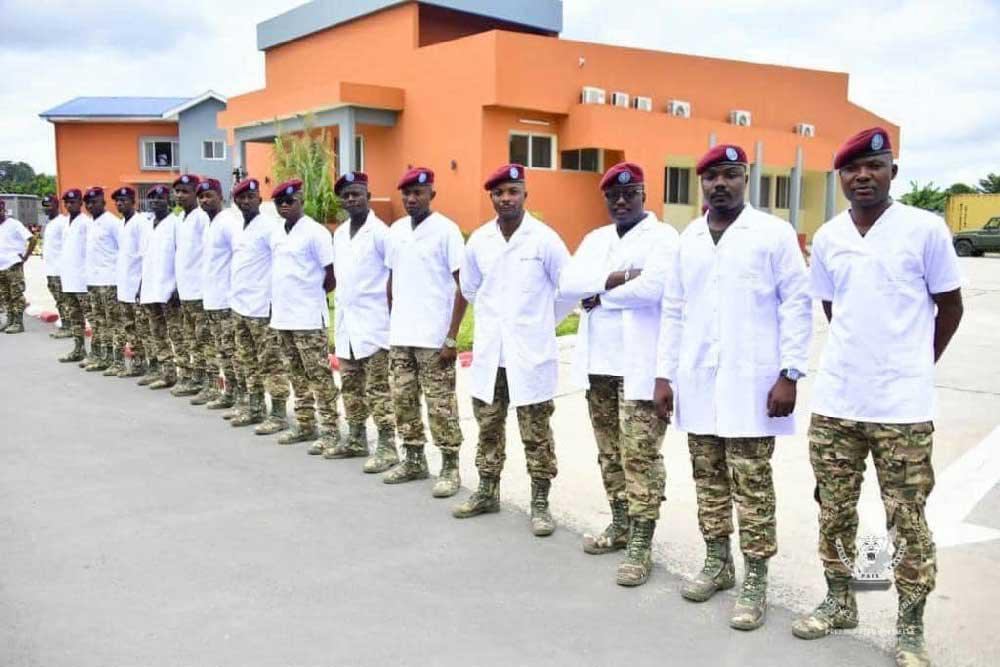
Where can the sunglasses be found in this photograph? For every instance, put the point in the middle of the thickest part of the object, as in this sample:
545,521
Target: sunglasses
615,194
284,201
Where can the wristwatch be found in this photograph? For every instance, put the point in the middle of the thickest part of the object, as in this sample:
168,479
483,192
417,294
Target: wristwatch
450,342
792,374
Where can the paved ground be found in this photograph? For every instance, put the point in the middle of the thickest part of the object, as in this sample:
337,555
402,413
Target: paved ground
138,530
962,613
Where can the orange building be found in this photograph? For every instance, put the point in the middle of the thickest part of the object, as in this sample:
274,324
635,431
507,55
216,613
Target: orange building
462,86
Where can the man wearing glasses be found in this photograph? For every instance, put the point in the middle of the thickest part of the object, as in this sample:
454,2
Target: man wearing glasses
615,359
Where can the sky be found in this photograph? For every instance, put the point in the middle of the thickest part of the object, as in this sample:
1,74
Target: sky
927,65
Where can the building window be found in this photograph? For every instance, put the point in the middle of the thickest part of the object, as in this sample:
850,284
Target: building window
160,153
678,186
782,191
765,192
213,150
359,153
533,150
584,159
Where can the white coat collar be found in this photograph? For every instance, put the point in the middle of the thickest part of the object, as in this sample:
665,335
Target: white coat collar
743,221
528,225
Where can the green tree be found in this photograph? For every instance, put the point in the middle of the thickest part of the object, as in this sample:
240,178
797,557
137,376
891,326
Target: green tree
990,184
960,189
308,155
20,178
928,197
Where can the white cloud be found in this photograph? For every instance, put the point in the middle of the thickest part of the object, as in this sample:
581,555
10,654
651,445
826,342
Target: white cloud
928,66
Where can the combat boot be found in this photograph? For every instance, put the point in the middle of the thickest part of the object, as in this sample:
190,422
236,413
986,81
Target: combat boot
92,356
209,391
152,373
135,369
102,362
298,434
542,523
355,445
910,648
3,327
484,500
224,400
449,481
117,365
77,352
837,611
634,570
385,455
412,467
252,414
190,386
241,402
167,379
61,332
615,536
717,574
329,440
15,324
276,421
751,605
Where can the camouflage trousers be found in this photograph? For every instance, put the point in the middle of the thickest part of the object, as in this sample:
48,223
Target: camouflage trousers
735,469
164,327
629,436
417,370
533,423
55,289
307,361
365,387
902,454
193,340
220,353
12,290
259,358
133,328
76,305
103,315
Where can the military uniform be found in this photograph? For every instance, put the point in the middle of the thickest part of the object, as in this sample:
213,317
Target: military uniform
73,276
54,234
101,261
157,295
133,324
14,237
194,337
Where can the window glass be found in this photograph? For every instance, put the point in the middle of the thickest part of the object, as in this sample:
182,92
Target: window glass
519,149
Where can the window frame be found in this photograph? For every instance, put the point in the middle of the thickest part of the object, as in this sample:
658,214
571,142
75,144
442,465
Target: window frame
221,142
782,185
175,150
553,149
579,154
666,189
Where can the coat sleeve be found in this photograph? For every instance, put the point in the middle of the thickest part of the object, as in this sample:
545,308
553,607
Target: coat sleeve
469,276
671,319
556,258
581,277
794,302
646,290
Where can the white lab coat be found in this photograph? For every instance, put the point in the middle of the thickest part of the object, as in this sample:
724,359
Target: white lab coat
601,253
188,266
217,256
102,249
250,272
130,244
734,315
55,232
361,317
513,285
159,282
73,257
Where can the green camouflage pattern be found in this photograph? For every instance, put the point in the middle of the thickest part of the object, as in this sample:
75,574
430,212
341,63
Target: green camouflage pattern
307,363
161,317
193,339
728,470
133,328
629,436
54,284
76,306
533,423
902,454
365,387
259,358
12,291
103,315
220,353
416,371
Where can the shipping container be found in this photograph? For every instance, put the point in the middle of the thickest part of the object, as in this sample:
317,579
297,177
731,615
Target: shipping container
973,211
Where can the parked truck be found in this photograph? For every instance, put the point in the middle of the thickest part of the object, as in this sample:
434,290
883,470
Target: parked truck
974,220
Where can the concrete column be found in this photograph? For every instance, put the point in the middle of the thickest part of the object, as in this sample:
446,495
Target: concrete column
795,197
755,170
831,195
347,136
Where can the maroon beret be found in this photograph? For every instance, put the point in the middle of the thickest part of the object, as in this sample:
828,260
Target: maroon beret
287,188
246,185
721,154
416,176
623,173
46,200
93,191
873,141
505,174
350,178
124,192
72,193
187,179
210,184
159,190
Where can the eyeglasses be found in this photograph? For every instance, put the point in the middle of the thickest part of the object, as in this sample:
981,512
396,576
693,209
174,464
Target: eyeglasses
614,194
284,201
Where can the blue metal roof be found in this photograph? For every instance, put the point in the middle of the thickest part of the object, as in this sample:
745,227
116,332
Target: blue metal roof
101,107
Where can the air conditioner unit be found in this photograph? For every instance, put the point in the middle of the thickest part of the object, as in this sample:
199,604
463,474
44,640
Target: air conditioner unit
643,103
619,100
805,130
740,117
591,95
679,108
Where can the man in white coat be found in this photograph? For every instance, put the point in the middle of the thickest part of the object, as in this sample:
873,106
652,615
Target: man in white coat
103,230
615,359
158,291
73,272
194,336
133,325
361,325
55,232
511,274
734,339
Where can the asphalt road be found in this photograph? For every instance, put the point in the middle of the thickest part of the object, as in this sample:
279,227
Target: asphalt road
136,530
